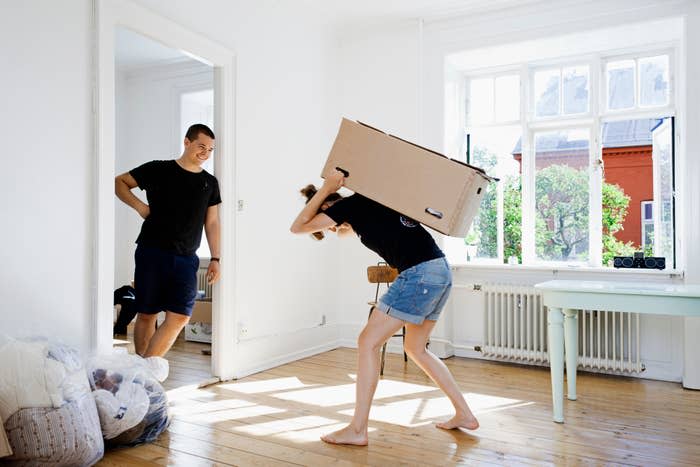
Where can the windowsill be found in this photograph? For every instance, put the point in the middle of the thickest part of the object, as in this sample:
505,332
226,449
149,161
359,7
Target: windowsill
676,273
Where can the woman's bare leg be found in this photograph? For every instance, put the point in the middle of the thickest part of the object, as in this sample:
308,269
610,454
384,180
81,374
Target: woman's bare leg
416,338
379,328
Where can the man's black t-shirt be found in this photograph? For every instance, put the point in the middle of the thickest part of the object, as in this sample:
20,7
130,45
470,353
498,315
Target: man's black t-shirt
399,240
178,200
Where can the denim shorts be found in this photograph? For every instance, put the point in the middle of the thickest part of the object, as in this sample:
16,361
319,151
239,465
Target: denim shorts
164,281
419,292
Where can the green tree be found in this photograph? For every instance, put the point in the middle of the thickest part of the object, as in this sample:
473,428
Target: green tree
512,218
562,216
484,233
561,205
615,205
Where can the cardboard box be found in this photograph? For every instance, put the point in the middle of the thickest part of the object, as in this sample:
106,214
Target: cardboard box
442,193
199,327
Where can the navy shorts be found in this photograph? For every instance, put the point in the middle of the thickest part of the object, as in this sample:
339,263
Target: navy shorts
164,281
419,292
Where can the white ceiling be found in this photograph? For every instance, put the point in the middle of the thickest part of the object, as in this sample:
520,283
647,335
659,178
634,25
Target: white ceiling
134,50
357,12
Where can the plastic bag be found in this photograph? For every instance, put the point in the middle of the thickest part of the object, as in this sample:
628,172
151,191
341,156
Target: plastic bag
47,405
132,404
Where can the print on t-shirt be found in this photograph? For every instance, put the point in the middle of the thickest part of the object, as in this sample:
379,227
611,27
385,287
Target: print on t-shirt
407,221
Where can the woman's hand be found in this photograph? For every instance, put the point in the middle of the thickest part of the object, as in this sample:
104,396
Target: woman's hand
333,182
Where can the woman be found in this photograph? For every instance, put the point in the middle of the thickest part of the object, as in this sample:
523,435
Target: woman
415,299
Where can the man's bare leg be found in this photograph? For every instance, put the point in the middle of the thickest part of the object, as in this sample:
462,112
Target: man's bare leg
144,329
416,338
378,329
166,334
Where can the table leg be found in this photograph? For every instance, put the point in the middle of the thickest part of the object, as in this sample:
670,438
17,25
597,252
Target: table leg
571,349
555,330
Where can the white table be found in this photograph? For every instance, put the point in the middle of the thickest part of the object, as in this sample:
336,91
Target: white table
565,298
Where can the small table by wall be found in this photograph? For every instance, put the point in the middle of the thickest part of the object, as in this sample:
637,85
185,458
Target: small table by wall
564,298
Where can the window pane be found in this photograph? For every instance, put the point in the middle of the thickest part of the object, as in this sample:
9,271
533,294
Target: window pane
480,101
507,98
547,93
496,150
620,84
198,107
647,238
653,81
575,90
561,195
631,158
664,235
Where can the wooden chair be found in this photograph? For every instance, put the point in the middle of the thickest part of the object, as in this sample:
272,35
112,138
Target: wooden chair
380,274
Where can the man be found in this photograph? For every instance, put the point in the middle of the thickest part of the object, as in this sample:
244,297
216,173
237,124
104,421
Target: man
182,197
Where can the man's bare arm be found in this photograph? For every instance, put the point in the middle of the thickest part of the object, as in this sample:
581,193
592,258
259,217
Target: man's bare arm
123,184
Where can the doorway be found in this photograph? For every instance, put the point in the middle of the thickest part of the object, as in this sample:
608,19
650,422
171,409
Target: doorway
159,93
139,51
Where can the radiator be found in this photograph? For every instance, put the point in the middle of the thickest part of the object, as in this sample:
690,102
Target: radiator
202,284
515,329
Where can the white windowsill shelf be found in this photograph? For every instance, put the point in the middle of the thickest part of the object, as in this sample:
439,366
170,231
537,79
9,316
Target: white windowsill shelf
672,273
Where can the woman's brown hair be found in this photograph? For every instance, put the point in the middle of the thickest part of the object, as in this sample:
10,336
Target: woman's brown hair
309,191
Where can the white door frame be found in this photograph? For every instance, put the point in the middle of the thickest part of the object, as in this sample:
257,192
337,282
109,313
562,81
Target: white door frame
108,15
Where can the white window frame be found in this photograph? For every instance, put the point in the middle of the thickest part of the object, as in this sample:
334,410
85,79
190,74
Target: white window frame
593,120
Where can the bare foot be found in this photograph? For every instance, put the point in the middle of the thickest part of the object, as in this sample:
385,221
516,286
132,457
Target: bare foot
346,435
460,421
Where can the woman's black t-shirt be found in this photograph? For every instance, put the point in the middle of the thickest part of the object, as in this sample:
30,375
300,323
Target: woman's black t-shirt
399,240
178,200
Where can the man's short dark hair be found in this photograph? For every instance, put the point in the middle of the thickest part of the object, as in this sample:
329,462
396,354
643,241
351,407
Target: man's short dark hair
194,131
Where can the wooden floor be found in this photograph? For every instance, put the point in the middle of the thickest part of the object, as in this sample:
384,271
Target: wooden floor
276,417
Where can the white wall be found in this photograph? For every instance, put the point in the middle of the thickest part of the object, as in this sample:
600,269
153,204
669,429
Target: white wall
380,83
46,196
377,76
148,128
282,137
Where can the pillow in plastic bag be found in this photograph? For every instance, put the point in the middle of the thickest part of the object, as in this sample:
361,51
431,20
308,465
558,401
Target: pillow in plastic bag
132,404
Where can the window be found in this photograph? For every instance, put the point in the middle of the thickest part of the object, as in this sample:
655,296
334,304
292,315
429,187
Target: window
562,206
561,91
637,83
493,132
198,107
586,167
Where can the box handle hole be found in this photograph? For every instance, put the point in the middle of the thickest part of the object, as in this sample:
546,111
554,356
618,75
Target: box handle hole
434,212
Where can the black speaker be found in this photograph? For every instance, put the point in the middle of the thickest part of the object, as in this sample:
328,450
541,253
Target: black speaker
640,262
654,262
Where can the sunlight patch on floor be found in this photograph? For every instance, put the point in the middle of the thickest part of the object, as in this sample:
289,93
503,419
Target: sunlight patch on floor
484,403
248,411
196,407
328,396
312,435
186,391
422,411
286,425
268,385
